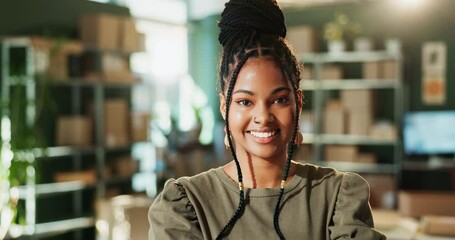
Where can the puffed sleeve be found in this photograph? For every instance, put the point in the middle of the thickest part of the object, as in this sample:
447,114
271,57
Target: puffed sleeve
352,218
172,216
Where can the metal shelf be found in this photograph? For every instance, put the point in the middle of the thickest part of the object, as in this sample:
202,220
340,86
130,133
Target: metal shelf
51,188
360,167
311,85
309,138
443,165
87,83
51,228
347,56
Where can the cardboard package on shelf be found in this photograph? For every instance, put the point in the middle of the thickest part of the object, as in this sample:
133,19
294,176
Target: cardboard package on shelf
87,176
124,166
52,56
358,122
100,31
331,72
129,38
107,66
74,131
341,153
304,39
116,122
139,126
386,70
358,100
334,118
421,203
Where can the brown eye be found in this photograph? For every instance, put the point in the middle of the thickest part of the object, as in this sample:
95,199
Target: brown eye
244,102
281,100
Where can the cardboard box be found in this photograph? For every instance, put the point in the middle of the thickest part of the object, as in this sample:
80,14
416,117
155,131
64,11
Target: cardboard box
307,73
306,122
124,166
341,153
52,56
116,122
303,153
367,158
334,118
358,100
439,225
125,216
331,72
359,122
421,203
100,31
88,176
390,70
74,131
382,190
303,39
371,70
139,126
128,36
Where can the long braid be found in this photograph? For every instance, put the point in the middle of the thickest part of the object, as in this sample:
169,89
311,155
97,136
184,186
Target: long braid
241,205
287,167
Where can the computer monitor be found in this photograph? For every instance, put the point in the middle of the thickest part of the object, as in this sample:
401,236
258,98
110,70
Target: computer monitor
429,133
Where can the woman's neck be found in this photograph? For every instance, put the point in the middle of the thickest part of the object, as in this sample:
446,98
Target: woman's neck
259,173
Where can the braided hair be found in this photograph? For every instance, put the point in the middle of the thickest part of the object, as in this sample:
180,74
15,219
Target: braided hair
254,28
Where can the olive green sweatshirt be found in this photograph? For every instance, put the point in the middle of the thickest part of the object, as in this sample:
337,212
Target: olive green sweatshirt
318,203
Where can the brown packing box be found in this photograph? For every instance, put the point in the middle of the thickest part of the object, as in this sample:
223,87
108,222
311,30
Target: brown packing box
125,166
303,39
371,70
334,118
74,131
128,36
439,225
88,176
421,203
389,70
331,72
341,153
139,126
382,190
367,158
303,153
124,215
52,56
307,73
116,122
100,30
358,122
358,100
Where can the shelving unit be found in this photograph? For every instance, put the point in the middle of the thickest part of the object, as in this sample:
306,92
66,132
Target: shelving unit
318,88
31,192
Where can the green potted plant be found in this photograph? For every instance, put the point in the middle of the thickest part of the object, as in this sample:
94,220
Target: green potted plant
338,31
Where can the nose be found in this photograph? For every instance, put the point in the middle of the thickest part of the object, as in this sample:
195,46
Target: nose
262,114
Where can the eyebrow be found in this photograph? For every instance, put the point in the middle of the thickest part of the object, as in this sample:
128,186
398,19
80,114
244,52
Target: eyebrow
274,91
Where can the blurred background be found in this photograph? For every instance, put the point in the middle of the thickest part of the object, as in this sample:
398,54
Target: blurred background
103,101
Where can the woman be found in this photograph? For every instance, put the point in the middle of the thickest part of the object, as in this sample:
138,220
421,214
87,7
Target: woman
262,193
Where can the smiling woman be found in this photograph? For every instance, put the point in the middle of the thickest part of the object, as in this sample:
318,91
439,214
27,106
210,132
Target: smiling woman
275,197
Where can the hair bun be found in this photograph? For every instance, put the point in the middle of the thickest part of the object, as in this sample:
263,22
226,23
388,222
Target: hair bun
242,19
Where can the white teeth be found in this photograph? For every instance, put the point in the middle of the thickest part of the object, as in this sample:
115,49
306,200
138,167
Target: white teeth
262,134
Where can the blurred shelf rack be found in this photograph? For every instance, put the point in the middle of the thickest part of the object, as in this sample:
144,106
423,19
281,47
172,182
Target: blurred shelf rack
319,90
31,191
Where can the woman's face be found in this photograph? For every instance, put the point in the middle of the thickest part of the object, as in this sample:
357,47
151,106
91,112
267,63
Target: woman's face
262,110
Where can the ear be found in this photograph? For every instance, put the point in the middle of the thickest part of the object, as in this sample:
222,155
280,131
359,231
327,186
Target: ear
222,105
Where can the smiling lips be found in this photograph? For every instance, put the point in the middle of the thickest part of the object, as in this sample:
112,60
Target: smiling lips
263,137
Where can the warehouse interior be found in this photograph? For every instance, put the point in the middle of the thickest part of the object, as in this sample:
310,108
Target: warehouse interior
104,101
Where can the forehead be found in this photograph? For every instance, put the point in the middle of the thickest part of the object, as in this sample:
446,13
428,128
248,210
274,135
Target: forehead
260,72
